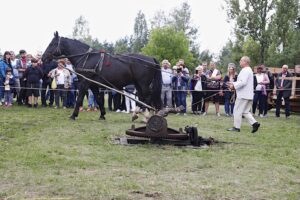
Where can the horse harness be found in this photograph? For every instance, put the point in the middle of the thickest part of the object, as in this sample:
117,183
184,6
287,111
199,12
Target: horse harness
98,67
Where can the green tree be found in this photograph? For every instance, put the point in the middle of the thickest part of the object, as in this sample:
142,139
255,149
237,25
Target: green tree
140,36
123,45
206,56
252,20
181,20
81,30
251,49
167,43
284,47
159,20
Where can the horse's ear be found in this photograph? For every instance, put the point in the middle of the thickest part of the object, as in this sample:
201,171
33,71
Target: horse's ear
56,34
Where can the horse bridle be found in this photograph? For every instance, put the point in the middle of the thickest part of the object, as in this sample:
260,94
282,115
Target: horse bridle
57,50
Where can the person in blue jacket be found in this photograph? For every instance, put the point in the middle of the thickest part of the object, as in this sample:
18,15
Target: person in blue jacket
180,82
4,65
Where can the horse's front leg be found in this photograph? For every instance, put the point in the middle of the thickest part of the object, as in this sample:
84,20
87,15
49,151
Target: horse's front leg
99,96
83,87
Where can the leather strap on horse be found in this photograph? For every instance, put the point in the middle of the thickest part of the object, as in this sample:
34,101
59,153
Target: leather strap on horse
87,56
100,62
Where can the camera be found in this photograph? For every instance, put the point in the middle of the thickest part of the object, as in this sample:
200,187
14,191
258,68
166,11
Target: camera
179,70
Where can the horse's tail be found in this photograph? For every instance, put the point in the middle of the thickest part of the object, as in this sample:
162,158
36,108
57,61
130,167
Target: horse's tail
156,86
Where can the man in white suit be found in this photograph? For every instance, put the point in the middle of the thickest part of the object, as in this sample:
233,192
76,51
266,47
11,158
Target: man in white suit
244,91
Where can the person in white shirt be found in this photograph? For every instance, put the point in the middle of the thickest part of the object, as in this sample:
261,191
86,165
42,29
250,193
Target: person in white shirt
14,61
260,93
244,87
166,90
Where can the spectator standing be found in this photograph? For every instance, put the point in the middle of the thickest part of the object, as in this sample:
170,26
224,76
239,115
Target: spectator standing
32,76
261,80
230,77
180,81
130,90
198,84
269,87
46,83
166,93
22,64
92,103
71,96
4,65
205,72
112,100
14,65
8,90
63,82
213,86
283,86
244,87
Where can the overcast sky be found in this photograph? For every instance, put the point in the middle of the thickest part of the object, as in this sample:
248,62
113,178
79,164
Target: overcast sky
30,24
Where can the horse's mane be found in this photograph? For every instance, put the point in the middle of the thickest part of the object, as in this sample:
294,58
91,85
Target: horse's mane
76,41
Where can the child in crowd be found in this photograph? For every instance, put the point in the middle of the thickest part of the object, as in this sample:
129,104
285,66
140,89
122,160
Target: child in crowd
91,102
8,90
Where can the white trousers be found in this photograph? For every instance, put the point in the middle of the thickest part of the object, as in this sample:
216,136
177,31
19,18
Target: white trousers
242,108
129,101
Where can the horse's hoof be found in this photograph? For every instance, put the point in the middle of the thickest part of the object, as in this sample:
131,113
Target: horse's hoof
72,117
101,118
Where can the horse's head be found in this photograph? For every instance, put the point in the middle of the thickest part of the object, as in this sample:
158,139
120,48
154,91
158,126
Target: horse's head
53,49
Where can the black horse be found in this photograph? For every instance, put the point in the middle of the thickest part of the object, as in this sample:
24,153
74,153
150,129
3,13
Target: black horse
115,71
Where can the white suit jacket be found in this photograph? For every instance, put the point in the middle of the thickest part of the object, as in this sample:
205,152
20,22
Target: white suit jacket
244,84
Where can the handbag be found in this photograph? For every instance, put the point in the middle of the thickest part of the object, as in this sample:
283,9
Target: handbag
53,84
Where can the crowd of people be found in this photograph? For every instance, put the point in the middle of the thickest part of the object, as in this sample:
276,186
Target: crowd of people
207,85
26,78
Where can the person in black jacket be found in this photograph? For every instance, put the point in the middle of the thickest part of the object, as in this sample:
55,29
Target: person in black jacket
283,91
231,76
198,84
33,75
46,68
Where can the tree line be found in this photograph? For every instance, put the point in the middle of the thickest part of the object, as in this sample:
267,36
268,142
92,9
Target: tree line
268,31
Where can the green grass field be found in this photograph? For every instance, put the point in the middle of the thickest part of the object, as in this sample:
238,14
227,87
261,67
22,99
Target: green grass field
44,155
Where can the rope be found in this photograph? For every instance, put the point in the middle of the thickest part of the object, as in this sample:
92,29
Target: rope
296,89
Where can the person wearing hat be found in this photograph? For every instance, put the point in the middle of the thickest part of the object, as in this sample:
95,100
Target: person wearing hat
166,90
261,80
63,81
32,76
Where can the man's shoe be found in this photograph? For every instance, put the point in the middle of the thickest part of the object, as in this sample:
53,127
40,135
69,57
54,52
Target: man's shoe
233,129
255,127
